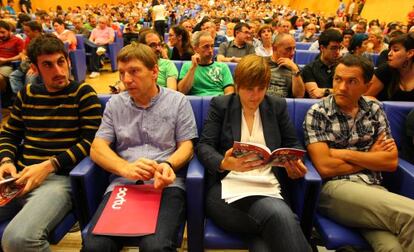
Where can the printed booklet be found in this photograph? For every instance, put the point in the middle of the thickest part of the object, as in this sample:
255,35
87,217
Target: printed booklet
277,157
132,210
9,190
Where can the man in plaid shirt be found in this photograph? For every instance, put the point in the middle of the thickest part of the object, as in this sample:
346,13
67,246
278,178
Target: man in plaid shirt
349,141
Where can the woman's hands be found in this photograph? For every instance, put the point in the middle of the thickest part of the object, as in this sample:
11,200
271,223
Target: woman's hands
241,164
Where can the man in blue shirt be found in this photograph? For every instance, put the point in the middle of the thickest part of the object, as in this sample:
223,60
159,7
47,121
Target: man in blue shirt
150,129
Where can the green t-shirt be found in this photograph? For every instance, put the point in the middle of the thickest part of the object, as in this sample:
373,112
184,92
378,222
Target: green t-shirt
167,69
209,80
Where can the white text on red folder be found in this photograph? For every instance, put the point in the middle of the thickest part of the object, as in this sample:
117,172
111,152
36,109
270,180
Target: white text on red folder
120,198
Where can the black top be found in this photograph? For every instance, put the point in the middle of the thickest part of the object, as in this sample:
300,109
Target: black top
318,72
176,56
391,81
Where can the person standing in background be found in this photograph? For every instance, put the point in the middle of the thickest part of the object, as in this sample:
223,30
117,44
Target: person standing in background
158,17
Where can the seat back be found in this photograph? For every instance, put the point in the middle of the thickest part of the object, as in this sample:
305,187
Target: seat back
303,45
232,67
304,57
301,108
80,41
178,64
396,113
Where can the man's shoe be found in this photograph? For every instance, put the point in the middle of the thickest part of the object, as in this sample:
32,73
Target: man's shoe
101,50
94,75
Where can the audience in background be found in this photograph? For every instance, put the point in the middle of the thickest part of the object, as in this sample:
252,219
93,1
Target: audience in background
394,81
234,50
180,40
318,74
100,37
285,80
265,35
203,76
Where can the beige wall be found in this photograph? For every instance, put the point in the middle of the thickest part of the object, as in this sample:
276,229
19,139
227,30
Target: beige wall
385,10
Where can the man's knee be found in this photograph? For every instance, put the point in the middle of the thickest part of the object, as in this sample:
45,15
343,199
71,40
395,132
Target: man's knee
16,239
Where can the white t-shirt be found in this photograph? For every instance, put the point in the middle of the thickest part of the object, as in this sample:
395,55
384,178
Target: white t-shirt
159,12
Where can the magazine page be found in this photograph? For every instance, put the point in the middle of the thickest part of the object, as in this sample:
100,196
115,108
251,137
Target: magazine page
282,155
243,148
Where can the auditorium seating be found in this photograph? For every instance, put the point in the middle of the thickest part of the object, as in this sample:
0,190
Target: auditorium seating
304,57
112,52
303,45
89,182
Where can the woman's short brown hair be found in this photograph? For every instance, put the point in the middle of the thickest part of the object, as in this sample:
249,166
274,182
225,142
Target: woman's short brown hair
262,28
252,71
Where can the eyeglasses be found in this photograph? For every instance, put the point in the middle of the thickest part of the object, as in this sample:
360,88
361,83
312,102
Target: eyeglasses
155,45
334,48
246,32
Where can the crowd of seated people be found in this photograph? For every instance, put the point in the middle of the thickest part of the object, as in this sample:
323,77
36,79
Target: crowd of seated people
197,56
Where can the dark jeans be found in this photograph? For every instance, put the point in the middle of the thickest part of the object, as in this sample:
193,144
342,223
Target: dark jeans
94,60
268,223
170,217
159,26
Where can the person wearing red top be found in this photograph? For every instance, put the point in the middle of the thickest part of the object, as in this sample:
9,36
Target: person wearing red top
10,50
24,74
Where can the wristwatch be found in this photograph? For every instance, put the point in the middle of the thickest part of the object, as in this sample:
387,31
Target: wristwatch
297,74
327,92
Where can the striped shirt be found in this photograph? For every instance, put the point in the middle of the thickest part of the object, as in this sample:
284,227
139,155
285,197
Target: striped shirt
325,122
43,124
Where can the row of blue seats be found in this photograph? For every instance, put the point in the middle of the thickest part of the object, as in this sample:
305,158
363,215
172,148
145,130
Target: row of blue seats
89,183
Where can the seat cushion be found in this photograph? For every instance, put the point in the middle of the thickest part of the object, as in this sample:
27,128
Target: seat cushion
216,238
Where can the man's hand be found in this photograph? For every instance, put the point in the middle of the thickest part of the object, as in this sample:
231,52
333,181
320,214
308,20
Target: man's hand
34,175
195,60
241,164
286,62
295,169
141,169
383,143
316,93
163,176
8,168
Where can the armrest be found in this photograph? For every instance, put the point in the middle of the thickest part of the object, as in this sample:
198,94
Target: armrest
195,204
402,180
304,197
88,182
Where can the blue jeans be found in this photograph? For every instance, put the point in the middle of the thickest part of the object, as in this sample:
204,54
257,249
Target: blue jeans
35,214
267,223
170,218
19,79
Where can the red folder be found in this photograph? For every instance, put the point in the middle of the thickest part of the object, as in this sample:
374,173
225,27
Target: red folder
132,210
